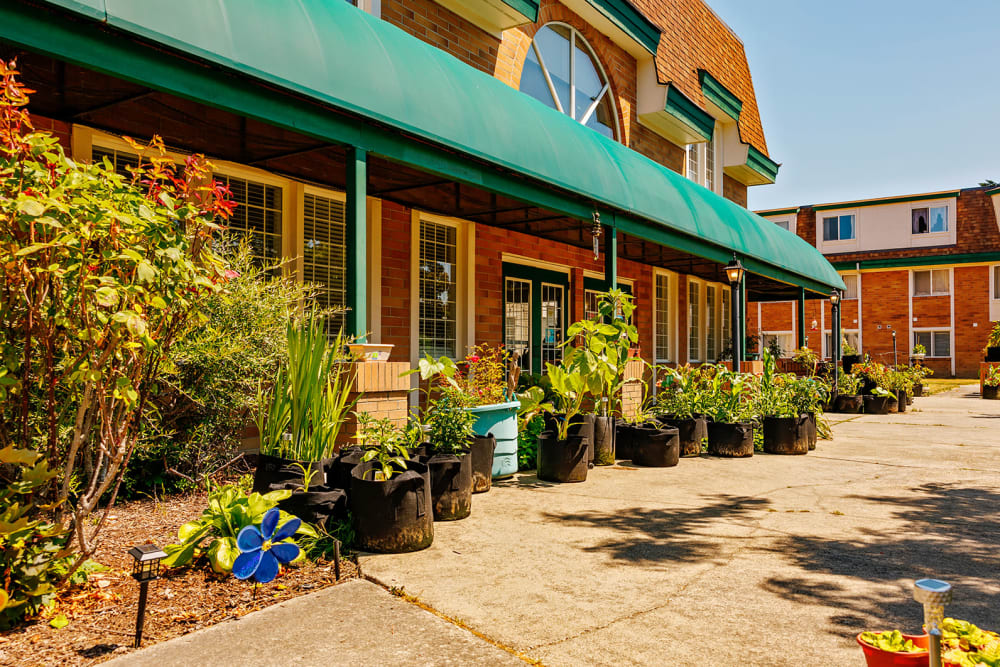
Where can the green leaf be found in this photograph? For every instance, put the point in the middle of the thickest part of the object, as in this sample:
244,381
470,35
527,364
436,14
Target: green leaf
59,622
4,599
222,553
31,207
13,456
145,272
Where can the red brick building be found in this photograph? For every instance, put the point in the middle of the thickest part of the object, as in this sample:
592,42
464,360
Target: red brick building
925,267
445,207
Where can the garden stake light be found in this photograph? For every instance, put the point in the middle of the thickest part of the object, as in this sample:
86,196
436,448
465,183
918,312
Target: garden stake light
835,313
934,594
145,569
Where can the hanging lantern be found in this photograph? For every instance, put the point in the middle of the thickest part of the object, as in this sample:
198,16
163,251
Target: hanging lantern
596,234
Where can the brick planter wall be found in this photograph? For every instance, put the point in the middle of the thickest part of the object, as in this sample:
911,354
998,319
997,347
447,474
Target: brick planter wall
381,392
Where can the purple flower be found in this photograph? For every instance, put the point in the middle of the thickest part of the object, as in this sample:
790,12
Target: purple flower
263,549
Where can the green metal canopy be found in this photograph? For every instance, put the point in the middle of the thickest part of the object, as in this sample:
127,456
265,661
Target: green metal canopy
335,54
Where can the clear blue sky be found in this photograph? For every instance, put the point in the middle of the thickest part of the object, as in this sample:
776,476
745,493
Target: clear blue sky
869,98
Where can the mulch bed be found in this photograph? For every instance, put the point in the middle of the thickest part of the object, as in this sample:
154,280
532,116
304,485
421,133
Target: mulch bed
102,612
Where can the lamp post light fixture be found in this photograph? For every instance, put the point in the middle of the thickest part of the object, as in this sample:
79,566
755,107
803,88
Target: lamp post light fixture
145,569
934,594
895,361
734,272
835,313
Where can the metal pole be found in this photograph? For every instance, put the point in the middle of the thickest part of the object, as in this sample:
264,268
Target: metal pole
141,617
735,329
356,230
895,361
836,348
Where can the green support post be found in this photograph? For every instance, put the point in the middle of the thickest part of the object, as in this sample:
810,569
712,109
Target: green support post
611,256
802,317
743,319
356,252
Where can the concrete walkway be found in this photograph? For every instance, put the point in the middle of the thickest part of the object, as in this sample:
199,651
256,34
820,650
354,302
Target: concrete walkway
770,560
764,561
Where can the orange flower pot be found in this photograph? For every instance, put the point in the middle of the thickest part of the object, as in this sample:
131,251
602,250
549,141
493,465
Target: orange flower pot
878,658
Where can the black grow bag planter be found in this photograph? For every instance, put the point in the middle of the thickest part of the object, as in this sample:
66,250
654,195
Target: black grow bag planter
274,473
482,447
562,460
582,427
786,435
991,393
393,516
893,406
993,354
604,441
730,440
338,470
849,403
451,486
918,391
876,405
901,402
849,360
317,506
624,440
909,398
656,447
691,433
810,427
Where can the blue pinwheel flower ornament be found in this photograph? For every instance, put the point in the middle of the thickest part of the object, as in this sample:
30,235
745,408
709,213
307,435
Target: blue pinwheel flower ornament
263,549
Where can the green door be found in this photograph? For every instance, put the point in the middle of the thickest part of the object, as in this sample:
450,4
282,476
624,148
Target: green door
534,315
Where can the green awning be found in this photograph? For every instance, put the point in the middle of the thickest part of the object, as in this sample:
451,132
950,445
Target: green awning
333,53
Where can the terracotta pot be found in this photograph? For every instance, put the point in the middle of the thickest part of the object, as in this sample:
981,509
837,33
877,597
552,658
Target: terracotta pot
879,658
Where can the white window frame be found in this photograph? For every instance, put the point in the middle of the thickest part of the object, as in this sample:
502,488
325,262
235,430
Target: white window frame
700,153
788,221
933,330
712,322
929,204
786,354
373,7
827,353
857,283
672,316
699,317
821,218
913,282
465,256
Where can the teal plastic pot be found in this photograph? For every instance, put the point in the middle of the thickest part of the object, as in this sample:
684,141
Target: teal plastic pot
500,420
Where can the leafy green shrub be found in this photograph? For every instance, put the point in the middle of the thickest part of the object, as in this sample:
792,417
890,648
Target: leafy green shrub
33,551
101,275
383,442
207,391
527,443
229,511
450,424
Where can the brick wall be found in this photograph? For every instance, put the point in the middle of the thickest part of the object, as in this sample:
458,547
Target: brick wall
972,318
59,129
396,279
446,30
881,305
733,190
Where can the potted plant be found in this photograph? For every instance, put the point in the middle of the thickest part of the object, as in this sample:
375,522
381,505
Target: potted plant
849,355
849,400
730,432
878,402
991,384
681,404
889,648
993,343
390,493
562,455
488,390
605,344
900,382
750,344
450,460
919,352
806,358
784,427
299,419
871,374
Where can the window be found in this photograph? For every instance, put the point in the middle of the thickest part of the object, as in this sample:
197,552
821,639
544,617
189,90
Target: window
591,297
661,305
784,224
694,322
727,318
937,343
257,216
323,251
517,322
931,283
850,336
562,71
552,323
996,282
120,160
710,320
838,228
851,285
930,220
438,290
782,340
701,163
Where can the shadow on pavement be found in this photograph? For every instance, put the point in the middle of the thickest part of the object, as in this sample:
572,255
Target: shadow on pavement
665,536
947,532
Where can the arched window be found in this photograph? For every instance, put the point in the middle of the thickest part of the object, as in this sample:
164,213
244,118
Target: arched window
561,71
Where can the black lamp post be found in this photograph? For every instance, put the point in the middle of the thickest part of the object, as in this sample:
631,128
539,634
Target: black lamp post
835,314
145,569
895,361
734,272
